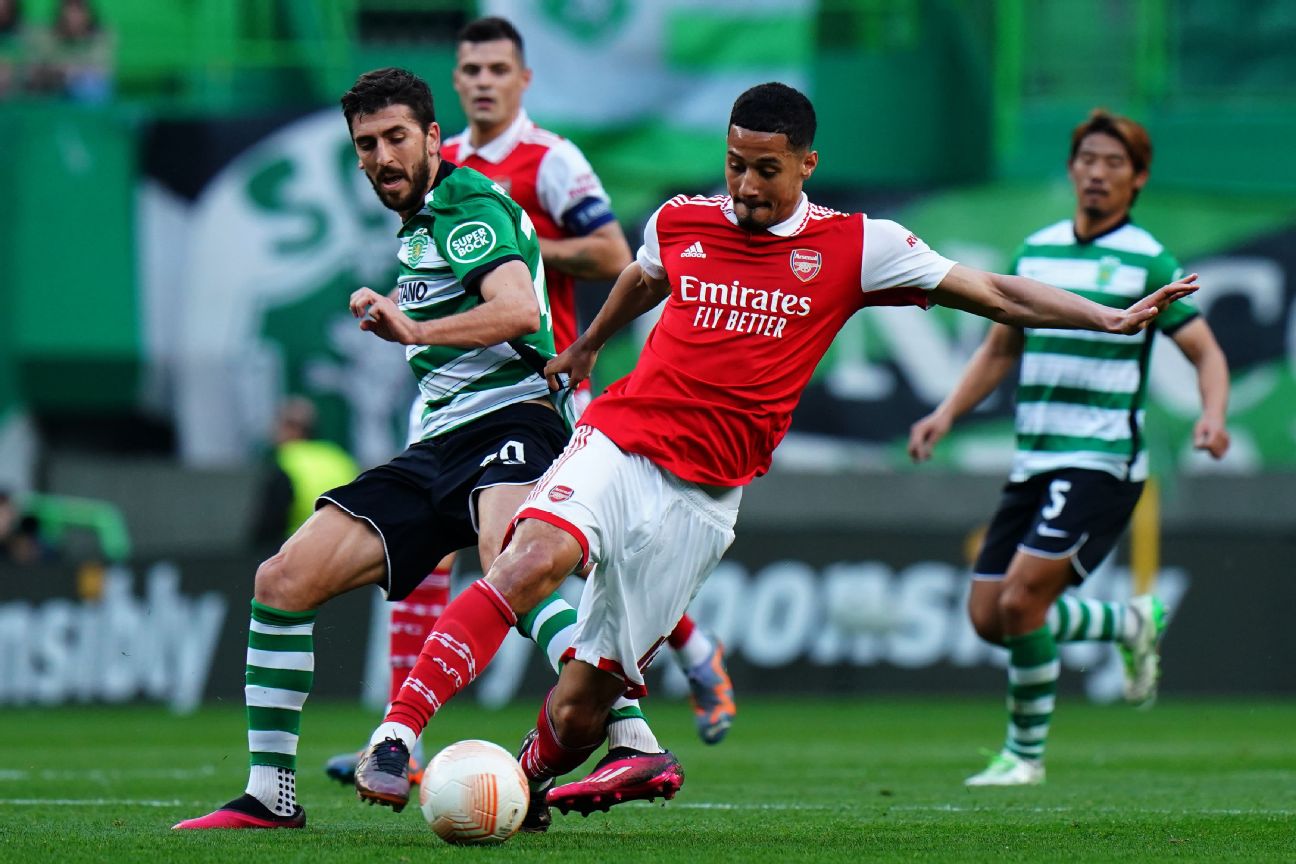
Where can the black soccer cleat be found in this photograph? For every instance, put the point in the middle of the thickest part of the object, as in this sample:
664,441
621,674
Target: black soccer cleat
382,776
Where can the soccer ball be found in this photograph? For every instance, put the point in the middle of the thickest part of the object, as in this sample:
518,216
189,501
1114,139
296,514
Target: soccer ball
474,792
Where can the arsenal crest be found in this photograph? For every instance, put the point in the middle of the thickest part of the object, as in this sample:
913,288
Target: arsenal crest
805,264
560,493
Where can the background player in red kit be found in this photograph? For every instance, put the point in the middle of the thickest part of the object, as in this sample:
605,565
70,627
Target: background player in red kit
579,239
756,284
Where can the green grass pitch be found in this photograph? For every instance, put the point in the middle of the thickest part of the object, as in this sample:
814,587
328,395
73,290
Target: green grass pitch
797,780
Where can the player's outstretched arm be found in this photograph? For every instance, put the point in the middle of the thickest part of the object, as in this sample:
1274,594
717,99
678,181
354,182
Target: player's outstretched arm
509,309
1025,302
634,293
991,362
1197,342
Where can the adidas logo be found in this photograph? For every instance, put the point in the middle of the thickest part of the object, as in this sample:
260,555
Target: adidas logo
694,251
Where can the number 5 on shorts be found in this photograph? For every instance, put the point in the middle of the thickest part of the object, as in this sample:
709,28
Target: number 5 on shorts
1058,490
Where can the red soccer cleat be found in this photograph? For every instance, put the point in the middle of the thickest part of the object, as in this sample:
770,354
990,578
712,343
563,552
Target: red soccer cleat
622,775
244,812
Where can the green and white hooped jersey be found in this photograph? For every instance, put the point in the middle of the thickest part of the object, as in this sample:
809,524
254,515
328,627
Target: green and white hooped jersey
467,227
1080,394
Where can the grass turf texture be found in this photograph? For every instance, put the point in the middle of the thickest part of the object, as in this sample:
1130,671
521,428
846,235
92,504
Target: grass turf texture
849,781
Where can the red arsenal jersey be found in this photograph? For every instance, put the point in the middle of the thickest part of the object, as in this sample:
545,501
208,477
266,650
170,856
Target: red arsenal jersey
748,318
552,181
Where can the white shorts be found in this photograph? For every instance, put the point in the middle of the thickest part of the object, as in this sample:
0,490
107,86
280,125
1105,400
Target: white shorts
653,538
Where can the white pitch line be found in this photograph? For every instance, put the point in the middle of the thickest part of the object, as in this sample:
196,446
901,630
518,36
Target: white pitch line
1157,811
718,805
955,808
108,775
722,805
91,802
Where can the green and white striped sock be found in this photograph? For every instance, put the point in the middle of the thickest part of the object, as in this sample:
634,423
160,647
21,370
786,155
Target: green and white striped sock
551,626
280,670
1079,619
1033,670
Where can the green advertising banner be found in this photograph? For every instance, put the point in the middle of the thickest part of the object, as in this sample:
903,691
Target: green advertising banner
247,261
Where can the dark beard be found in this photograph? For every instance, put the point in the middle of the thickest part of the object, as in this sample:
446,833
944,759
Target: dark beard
750,223
1095,214
418,190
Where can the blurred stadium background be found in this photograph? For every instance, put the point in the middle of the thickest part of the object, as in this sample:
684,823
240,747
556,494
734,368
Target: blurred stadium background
182,224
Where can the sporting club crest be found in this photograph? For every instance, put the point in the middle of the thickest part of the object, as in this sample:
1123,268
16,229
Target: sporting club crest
560,493
805,264
1107,267
418,244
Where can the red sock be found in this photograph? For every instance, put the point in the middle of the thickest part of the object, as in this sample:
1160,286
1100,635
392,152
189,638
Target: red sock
411,621
464,641
683,630
546,756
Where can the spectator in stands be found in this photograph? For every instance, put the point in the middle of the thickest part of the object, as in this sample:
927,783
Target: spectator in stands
76,55
20,540
11,32
301,469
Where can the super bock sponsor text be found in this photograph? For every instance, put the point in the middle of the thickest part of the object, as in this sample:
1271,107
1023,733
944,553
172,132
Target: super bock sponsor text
464,245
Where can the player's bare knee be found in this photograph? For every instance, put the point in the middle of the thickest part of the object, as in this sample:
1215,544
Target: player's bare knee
987,624
280,585
528,572
1020,604
271,581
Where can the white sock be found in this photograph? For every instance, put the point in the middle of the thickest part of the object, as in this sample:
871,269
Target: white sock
697,649
276,788
394,730
1131,624
632,732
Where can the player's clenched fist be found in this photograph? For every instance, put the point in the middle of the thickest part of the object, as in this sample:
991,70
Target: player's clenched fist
577,362
381,316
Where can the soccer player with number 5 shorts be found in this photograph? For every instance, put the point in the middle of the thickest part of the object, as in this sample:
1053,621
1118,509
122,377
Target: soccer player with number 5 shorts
1080,463
756,284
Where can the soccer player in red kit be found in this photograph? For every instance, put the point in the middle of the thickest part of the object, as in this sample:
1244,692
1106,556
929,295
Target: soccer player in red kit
756,284
579,238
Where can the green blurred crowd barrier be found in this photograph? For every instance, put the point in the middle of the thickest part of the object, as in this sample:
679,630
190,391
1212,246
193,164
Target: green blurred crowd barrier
972,98
59,514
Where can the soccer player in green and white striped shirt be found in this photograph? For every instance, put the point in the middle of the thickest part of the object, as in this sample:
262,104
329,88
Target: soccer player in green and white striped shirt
472,313
1080,461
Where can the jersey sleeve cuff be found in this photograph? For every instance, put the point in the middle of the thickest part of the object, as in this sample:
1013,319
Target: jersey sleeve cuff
1174,328
472,279
653,269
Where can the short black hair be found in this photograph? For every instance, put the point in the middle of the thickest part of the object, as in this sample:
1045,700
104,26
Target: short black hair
374,91
776,108
490,29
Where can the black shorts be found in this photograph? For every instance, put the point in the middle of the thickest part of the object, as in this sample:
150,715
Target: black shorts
423,502
1073,513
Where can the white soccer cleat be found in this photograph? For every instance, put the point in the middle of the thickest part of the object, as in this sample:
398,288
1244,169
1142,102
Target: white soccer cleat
1006,768
1142,661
